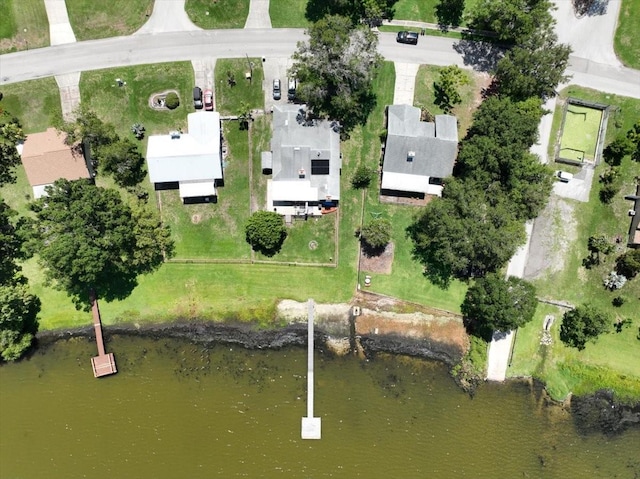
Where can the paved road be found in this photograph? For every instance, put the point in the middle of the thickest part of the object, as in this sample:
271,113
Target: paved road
178,46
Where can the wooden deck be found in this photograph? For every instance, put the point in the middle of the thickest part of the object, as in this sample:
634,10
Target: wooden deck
103,364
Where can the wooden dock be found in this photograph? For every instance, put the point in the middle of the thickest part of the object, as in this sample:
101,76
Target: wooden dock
311,426
103,364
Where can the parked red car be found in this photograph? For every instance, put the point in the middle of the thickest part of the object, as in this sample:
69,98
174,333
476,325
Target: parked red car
208,100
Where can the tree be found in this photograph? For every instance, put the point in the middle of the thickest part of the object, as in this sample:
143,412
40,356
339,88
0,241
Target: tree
513,21
265,232
362,177
376,235
466,234
10,135
10,244
628,263
619,148
596,245
582,324
449,13
91,240
493,303
244,115
446,87
18,319
88,128
123,161
533,68
634,135
335,69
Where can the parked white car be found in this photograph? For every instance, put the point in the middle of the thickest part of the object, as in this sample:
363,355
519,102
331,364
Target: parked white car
563,176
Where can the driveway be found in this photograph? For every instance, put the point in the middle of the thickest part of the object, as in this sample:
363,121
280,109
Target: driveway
168,16
405,83
275,67
60,30
578,187
258,15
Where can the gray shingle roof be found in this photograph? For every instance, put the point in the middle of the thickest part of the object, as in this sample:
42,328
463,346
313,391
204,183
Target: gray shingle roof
294,144
434,145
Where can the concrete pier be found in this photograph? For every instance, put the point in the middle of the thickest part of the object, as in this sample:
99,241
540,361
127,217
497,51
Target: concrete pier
311,426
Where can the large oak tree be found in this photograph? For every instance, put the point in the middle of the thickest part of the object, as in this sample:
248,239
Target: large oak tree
335,69
92,240
10,135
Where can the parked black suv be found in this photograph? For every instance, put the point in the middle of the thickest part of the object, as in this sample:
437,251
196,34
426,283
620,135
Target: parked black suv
197,98
407,37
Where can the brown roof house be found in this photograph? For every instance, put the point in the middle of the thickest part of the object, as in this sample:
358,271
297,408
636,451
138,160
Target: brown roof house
46,159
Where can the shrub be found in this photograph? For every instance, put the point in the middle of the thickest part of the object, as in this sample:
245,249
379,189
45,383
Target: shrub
585,323
608,192
172,101
618,301
265,232
628,264
614,281
362,177
617,149
376,235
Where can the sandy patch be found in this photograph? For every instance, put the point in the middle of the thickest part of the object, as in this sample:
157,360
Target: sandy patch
381,263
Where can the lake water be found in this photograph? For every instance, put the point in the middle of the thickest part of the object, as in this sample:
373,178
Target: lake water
178,410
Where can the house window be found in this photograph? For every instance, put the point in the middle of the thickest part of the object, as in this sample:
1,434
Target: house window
319,167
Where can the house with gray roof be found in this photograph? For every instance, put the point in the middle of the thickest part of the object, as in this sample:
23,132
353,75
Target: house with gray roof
190,162
418,155
304,162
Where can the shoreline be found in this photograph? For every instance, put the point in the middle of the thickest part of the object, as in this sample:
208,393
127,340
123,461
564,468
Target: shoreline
599,412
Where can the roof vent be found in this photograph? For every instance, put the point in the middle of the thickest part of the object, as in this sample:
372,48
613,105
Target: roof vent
411,155
301,173
175,135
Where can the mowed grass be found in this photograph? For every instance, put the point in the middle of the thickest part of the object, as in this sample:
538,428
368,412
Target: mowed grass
288,13
470,93
230,98
23,25
211,15
610,363
36,103
129,104
626,41
580,133
424,10
214,231
91,20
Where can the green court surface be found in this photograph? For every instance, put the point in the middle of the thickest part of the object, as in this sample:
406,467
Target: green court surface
580,133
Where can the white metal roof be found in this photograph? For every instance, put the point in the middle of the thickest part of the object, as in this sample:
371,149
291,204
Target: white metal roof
193,156
192,189
293,191
404,182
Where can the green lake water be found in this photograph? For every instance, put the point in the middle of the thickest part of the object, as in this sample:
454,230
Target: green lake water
178,410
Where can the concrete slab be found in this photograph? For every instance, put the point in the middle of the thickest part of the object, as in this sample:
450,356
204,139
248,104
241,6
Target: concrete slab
578,187
499,351
69,86
258,15
204,72
168,16
405,83
60,30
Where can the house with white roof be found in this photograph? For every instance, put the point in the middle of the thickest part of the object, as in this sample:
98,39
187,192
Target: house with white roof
190,162
305,162
418,155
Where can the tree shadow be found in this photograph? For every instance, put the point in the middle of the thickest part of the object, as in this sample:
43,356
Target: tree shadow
371,251
449,13
480,55
590,8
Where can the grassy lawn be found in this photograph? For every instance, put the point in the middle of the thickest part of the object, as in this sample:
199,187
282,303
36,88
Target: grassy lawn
311,241
288,13
470,94
214,231
580,133
614,356
24,25
91,20
211,15
423,10
229,99
566,370
129,104
626,41
36,103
